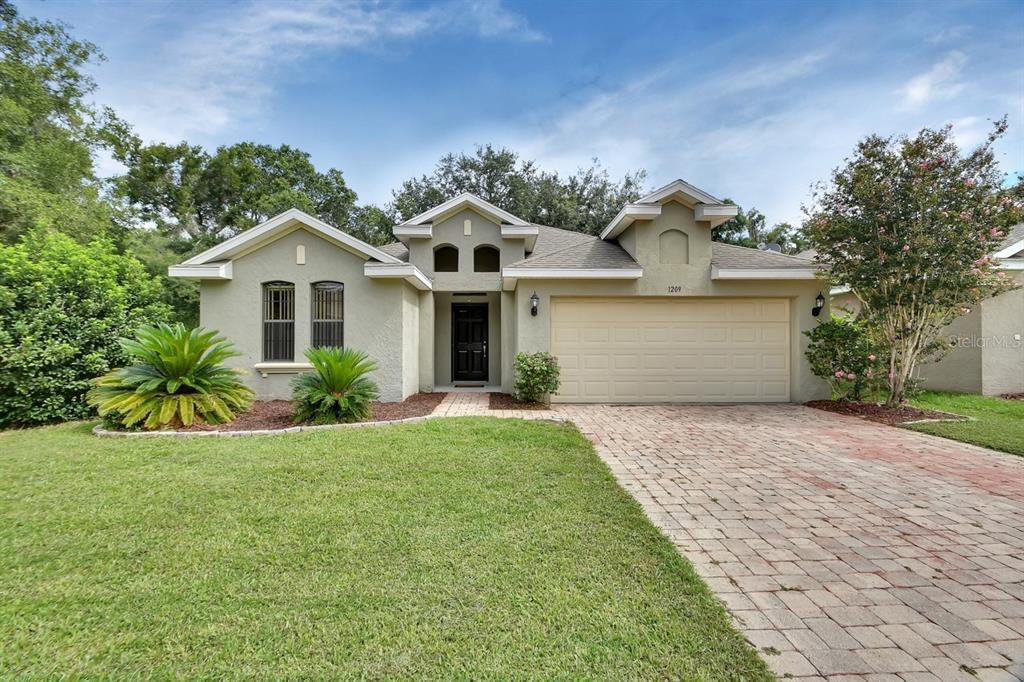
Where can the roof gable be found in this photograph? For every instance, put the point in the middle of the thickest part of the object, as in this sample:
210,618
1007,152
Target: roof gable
706,208
679,189
281,224
465,200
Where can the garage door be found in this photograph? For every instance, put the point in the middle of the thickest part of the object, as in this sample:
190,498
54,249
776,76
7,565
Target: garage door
651,350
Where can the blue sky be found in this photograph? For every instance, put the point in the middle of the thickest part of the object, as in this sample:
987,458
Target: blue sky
750,100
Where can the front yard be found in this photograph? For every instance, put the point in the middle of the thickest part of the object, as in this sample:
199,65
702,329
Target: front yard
998,423
470,548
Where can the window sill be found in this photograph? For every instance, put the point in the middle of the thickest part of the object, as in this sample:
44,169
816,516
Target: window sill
265,368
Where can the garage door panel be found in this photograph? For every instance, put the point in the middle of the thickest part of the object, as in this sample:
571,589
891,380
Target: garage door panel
672,350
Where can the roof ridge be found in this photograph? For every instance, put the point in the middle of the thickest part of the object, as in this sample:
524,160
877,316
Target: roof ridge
773,253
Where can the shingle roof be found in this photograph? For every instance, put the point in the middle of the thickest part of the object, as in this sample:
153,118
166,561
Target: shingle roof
396,249
739,257
558,248
1014,235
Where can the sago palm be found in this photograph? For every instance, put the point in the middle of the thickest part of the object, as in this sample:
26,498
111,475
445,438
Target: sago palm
178,378
339,389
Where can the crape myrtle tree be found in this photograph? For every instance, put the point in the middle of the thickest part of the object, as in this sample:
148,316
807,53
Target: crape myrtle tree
910,225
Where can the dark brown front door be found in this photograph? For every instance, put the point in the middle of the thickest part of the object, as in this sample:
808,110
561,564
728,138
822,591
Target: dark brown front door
469,342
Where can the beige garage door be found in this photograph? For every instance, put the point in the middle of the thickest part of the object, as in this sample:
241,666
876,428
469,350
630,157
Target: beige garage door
652,350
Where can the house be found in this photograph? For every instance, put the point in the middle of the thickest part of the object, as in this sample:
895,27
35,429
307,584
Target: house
649,311
987,355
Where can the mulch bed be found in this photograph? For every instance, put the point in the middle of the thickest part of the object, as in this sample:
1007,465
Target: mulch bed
279,414
893,416
1013,396
503,401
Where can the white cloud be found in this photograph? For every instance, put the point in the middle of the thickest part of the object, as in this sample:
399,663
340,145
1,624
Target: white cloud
204,79
774,73
949,34
940,82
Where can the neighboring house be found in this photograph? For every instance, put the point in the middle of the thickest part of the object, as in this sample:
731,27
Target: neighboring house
650,311
988,343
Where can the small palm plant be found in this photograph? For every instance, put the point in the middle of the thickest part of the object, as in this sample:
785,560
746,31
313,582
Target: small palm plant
177,379
338,391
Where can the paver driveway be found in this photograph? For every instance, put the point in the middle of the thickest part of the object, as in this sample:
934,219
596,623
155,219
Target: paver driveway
845,550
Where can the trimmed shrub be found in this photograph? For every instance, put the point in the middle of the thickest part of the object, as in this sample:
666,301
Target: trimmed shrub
338,390
842,352
63,307
178,379
537,375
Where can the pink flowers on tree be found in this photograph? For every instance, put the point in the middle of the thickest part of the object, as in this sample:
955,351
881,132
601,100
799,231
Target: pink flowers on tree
911,224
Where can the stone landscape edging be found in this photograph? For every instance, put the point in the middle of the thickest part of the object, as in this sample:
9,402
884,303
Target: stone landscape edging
98,430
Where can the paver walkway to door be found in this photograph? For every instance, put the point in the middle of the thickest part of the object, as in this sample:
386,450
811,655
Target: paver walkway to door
845,550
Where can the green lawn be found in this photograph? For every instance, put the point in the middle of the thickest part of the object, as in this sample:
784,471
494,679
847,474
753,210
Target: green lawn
471,548
999,423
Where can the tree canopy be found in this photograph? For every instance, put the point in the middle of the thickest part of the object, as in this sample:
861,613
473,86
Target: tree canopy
202,198
585,201
910,224
48,131
748,229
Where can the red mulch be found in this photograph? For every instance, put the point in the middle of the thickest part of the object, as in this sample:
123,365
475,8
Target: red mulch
893,416
503,401
418,405
279,414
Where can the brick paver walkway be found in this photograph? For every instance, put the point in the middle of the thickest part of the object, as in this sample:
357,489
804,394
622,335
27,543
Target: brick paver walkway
845,550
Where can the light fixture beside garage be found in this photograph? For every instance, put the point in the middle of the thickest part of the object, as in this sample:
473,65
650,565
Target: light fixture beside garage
534,303
819,303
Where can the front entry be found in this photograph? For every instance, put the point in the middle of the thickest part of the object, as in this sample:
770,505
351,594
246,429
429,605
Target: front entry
469,342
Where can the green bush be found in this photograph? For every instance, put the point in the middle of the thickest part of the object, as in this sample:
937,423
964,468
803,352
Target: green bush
536,374
63,307
178,378
338,391
842,352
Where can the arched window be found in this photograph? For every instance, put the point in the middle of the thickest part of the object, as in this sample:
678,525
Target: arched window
674,247
486,259
279,321
328,316
446,259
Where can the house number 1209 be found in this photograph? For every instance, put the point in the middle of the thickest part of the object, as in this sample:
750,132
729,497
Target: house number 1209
675,289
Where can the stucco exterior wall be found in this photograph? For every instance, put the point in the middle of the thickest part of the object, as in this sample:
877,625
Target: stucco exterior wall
410,341
509,340
681,281
694,276
988,357
1002,328
426,338
534,333
483,232
376,317
960,369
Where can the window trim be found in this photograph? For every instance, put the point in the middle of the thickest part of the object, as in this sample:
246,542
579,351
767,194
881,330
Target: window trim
271,342
497,257
438,248
316,288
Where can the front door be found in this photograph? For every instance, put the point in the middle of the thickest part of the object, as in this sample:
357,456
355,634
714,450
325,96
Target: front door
469,342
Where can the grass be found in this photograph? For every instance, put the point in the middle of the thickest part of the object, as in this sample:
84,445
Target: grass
999,423
470,548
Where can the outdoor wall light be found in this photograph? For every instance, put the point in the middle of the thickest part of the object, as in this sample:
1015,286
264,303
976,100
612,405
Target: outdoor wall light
819,303
534,302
